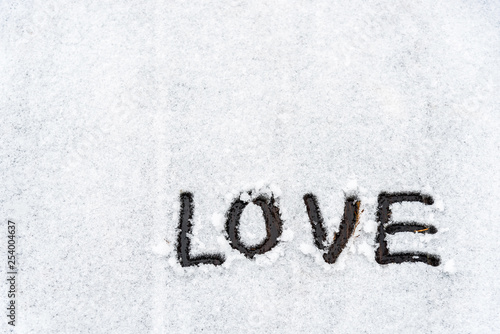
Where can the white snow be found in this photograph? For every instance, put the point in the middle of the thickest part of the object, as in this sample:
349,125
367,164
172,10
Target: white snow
111,109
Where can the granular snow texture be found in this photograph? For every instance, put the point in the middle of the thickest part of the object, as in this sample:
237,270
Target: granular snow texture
111,109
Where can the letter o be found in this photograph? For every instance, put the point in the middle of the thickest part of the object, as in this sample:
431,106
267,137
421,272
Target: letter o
272,218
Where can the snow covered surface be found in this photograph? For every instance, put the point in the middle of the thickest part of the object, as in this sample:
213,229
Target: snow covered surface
111,109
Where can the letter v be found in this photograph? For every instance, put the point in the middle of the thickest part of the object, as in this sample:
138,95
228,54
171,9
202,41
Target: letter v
346,228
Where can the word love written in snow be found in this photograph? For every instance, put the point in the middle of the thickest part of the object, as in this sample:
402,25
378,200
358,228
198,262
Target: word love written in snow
274,224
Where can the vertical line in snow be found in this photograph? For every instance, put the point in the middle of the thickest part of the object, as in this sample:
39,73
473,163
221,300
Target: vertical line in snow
162,163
